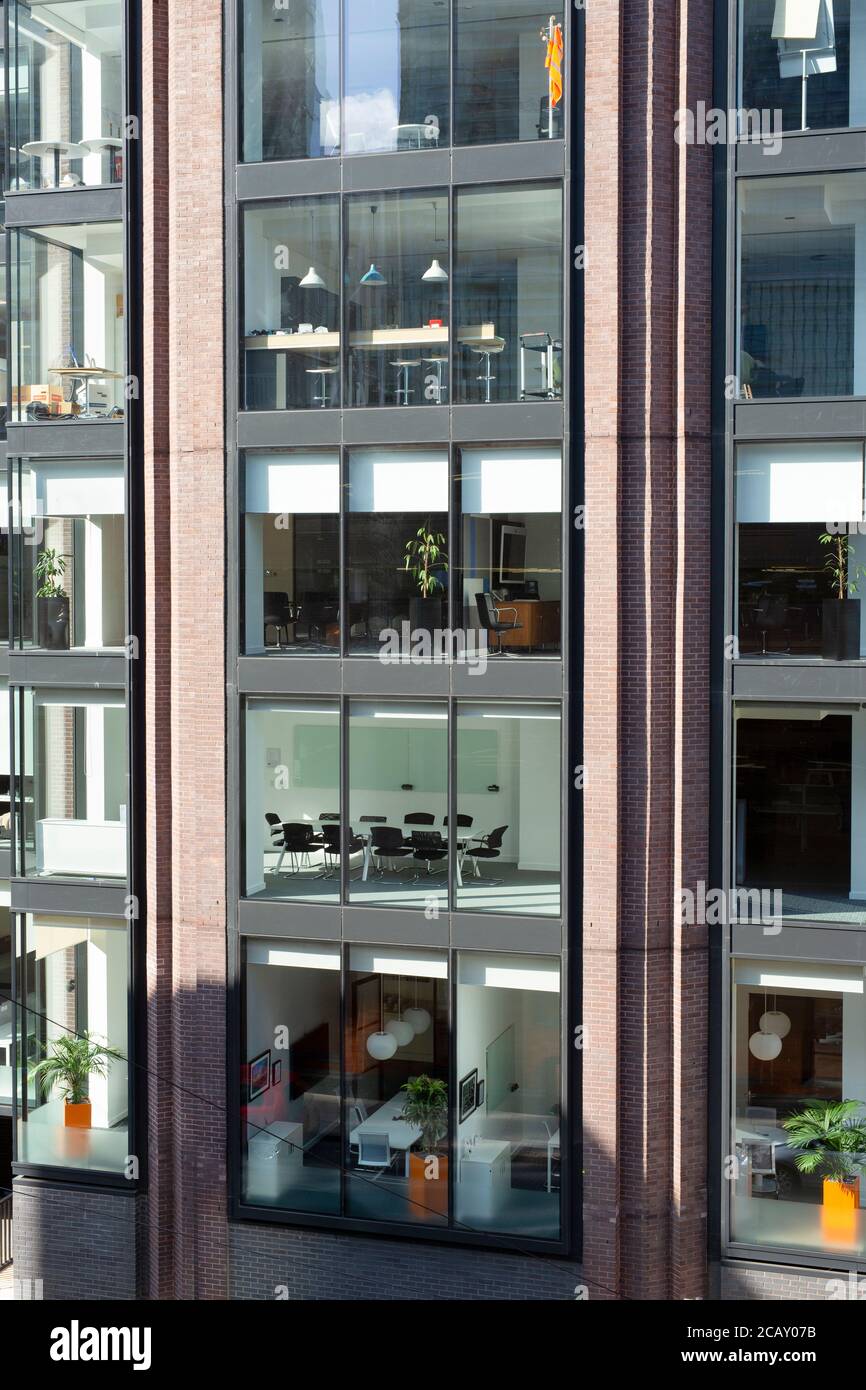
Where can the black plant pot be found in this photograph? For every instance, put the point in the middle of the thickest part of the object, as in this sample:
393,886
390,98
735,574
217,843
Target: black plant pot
841,629
53,620
426,613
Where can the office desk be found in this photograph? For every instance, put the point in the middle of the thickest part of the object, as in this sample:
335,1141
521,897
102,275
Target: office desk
485,1170
401,1135
539,619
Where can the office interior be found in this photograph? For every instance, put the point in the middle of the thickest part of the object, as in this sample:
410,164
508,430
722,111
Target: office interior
824,41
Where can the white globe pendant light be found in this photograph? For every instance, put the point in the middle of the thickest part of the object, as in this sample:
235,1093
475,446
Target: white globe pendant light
419,1019
774,1021
381,1046
765,1046
401,1031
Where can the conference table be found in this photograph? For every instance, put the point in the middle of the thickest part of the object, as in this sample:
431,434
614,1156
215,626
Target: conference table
388,1120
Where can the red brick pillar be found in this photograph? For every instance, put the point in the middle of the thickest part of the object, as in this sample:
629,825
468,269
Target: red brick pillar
183,404
648,216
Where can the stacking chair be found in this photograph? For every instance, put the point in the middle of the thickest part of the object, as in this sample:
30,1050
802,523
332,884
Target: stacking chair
428,848
487,847
298,840
386,842
374,1151
417,818
336,844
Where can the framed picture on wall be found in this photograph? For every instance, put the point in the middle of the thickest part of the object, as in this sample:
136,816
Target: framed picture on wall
260,1074
468,1094
276,1073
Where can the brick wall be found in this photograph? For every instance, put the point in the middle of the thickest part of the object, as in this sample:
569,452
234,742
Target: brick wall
758,1283
80,1243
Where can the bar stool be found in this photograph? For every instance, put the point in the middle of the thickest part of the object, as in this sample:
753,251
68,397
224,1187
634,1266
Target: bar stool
403,389
439,387
323,373
487,376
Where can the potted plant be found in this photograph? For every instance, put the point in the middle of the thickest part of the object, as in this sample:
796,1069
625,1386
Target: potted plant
425,555
841,614
69,1062
831,1135
53,601
426,1108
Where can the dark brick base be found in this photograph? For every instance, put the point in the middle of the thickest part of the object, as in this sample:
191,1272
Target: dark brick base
269,1262
81,1243
743,1282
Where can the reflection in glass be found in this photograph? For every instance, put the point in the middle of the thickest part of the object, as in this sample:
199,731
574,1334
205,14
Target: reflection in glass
398,803
397,269
74,980
508,293
397,1038
508,1143
292,807
291,79
501,83
6,1007
292,305
291,1073
396,76
805,60
509,824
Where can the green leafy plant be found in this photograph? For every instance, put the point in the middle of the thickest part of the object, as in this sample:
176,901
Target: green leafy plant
426,1107
70,1061
425,552
49,570
845,578
832,1137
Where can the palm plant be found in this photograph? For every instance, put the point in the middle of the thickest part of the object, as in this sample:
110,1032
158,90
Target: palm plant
424,553
49,570
70,1061
426,1107
832,1137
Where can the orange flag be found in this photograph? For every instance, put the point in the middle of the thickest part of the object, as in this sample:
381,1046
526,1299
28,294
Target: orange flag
553,62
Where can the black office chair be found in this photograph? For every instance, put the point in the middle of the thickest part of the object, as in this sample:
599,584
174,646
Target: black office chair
488,847
491,619
417,818
386,842
298,840
336,844
770,614
277,614
428,848
275,825
463,823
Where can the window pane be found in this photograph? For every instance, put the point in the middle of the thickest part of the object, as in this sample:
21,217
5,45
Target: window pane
396,75
292,553
5,768
291,79
510,572
507,1107
508,293
66,93
397,1038
797,1044
832,33
291,1074
501,83
292,305
509,821
292,811
398,780
800,277
75,990
68,351
6,1007
397,268
397,512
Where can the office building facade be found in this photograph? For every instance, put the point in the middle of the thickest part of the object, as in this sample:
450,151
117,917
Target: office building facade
391,548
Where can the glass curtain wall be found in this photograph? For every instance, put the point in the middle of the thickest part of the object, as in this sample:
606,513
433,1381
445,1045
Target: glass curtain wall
291,79
502,88
397,76
806,59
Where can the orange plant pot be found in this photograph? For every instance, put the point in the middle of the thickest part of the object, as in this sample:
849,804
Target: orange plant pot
839,1212
429,1196
77,1116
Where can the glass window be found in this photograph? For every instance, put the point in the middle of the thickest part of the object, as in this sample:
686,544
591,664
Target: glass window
398,803
507,1106
4,316
802,324
73,1081
797,1053
508,828
6,1007
396,545
70,579
291,1073
66,93
397,268
291,79
508,293
72,790
5,768
803,57
797,580
292,553
68,322
292,810
396,75
502,86
292,305
397,1085
801,809
510,571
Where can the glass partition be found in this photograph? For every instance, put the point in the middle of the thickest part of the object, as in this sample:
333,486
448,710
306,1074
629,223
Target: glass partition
292,806
802,316
502,84
68,347
291,1075
72,784
290,79
292,305
507,1107
397,60
397,269
66,93
804,58
508,293
73,988
5,768
7,1016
